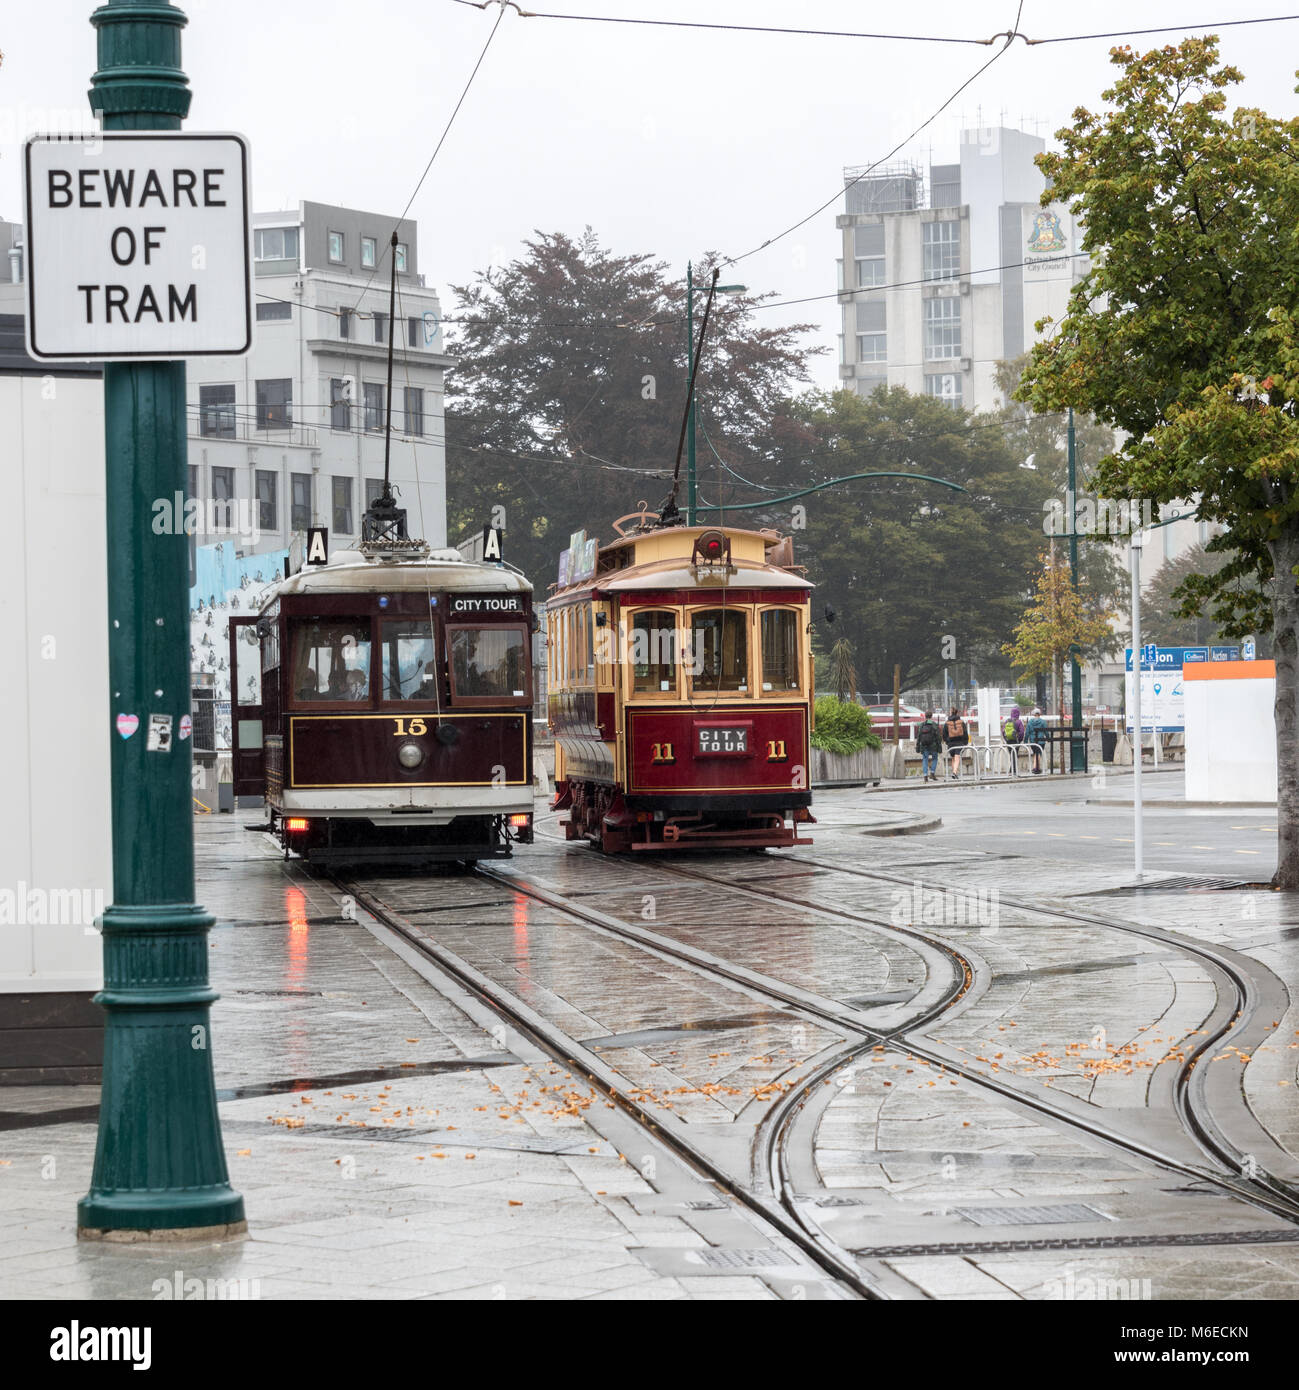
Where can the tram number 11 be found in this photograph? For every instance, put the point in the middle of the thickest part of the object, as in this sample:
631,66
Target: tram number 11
662,753
415,725
776,751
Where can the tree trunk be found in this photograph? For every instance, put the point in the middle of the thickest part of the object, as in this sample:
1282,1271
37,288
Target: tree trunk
1285,651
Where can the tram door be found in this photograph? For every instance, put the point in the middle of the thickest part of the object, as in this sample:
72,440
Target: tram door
246,708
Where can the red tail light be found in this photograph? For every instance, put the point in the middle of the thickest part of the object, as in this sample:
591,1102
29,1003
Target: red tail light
295,825
521,821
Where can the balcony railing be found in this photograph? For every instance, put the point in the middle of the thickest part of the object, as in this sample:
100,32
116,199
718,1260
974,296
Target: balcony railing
216,422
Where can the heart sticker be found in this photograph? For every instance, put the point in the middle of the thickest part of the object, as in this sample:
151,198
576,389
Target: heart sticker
127,724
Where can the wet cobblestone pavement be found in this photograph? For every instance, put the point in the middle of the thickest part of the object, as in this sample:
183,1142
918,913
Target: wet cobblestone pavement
958,1058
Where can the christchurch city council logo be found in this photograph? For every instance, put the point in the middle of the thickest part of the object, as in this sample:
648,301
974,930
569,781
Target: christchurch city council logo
1046,235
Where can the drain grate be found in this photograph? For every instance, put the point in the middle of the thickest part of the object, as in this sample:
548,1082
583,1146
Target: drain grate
1065,1213
738,1259
1178,883
1006,1247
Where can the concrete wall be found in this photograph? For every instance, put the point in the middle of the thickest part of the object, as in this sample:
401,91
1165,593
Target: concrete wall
1230,733
54,814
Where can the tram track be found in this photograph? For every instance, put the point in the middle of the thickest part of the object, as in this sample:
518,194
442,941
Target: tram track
784,1129
1260,1188
621,1091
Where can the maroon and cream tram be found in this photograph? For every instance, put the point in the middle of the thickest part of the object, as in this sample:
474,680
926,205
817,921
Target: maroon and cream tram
680,688
395,714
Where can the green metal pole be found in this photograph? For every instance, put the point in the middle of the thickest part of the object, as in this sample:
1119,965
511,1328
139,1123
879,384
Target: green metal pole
692,517
1077,758
160,1169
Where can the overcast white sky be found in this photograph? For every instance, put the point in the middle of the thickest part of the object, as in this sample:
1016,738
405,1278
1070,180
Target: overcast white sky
668,141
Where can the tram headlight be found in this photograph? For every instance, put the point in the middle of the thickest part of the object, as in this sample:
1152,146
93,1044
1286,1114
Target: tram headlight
410,755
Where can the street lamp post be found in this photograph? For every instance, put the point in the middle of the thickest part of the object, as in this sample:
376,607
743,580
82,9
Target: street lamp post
1076,753
691,508
160,1169
1137,540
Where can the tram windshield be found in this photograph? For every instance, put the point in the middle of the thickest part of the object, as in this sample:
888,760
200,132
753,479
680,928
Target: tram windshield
488,663
331,660
654,651
719,650
409,666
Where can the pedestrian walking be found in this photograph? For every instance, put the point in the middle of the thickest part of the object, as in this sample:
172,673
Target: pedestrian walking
1035,737
1012,728
929,744
956,736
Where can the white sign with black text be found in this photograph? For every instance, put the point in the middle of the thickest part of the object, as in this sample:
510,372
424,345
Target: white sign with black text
138,246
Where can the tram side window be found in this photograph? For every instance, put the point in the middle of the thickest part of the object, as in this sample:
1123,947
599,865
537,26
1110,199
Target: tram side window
720,650
409,663
488,664
331,660
654,651
780,664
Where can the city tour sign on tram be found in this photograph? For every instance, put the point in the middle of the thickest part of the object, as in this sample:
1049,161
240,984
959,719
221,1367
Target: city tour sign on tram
137,246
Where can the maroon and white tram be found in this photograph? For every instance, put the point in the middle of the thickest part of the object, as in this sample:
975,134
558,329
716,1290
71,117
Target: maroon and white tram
395,715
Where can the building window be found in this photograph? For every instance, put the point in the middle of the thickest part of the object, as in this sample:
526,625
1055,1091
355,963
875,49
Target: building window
275,244
870,271
273,310
340,408
380,323
267,488
942,328
192,473
216,411
942,247
368,245
336,247
300,512
872,347
412,331
275,404
344,323
415,410
373,491
223,495
342,506
373,405
946,386
401,259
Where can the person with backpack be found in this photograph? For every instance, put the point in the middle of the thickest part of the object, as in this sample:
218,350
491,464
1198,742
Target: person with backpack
1012,728
929,743
956,736
1035,735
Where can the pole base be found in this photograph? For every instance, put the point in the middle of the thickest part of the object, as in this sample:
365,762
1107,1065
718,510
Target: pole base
169,1235
161,1215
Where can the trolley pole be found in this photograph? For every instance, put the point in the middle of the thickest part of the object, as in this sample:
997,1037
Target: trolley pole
159,1165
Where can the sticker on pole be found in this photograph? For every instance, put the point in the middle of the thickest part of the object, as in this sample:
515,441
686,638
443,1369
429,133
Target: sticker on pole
159,735
137,246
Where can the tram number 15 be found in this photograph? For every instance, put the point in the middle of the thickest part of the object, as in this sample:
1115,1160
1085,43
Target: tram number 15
662,753
415,725
776,751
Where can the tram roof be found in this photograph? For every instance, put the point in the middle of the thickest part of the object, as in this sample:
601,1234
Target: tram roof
350,572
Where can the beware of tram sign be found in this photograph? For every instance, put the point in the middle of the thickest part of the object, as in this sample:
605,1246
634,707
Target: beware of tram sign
138,246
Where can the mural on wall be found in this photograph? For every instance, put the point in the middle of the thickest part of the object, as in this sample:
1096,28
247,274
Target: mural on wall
225,586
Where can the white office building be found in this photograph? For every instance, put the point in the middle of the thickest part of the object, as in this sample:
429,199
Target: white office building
944,274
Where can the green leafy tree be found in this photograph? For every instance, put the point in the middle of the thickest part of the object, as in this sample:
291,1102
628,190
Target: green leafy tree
1056,622
921,576
1182,334
565,409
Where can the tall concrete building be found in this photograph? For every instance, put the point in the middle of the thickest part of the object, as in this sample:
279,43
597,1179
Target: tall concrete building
944,273
293,434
